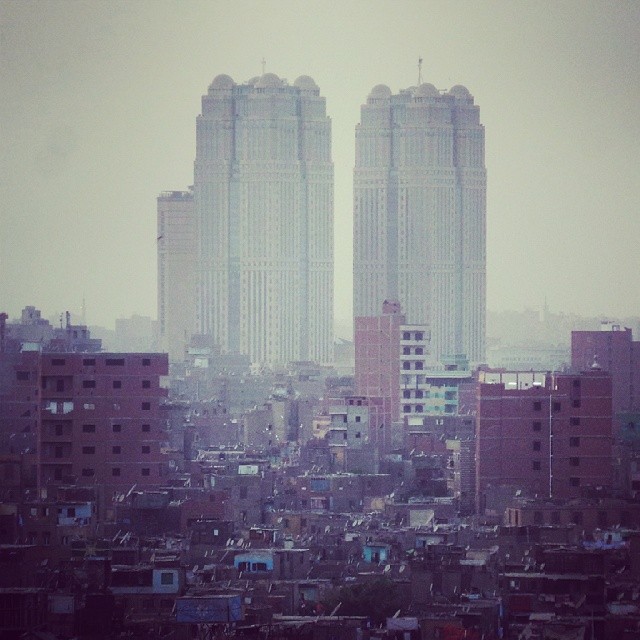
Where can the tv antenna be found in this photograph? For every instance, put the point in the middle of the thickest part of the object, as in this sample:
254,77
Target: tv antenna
419,70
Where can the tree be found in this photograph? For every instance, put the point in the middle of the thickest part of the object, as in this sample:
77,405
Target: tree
378,599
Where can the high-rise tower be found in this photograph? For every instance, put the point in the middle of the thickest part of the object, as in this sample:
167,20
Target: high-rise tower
263,194
420,212
176,242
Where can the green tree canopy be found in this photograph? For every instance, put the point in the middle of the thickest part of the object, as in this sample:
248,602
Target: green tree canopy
378,599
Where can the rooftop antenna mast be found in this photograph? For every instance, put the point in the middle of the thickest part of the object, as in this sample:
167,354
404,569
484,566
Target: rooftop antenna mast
264,65
419,70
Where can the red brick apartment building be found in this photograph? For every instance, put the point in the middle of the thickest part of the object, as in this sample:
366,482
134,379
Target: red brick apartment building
615,351
543,434
99,420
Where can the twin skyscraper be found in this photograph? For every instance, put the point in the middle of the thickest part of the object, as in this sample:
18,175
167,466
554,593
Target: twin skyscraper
246,256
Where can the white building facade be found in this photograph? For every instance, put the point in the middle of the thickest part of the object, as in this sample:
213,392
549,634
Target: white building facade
420,213
263,195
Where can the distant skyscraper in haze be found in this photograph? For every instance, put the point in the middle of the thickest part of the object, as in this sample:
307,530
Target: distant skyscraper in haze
177,247
420,211
263,195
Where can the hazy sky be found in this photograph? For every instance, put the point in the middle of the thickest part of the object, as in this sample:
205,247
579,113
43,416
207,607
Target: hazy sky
99,100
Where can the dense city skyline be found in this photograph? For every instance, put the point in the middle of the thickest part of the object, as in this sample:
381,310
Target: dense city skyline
99,107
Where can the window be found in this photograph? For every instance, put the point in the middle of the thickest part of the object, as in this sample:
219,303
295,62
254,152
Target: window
406,408
555,517
538,517
406,351
574,422
59,451
114,362
557,406
406,393
406,365
419,365
536,445
537,426
58,362
146,448
146,406
117,449
146,471
60,384
89,362
117,384
358,434
116,428
59,430
146,428
89,406
536,465
406,336
537,406
88,473
574,442
574,481
88,428
419,335
88,384
22,375
576,516
576,403
146,384
419,351
146,362
419,408
88,450
358,418
115,471
419,393
166,577
574,462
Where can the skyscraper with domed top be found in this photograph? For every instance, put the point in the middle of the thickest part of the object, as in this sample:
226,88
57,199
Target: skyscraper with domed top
420,213
263,197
